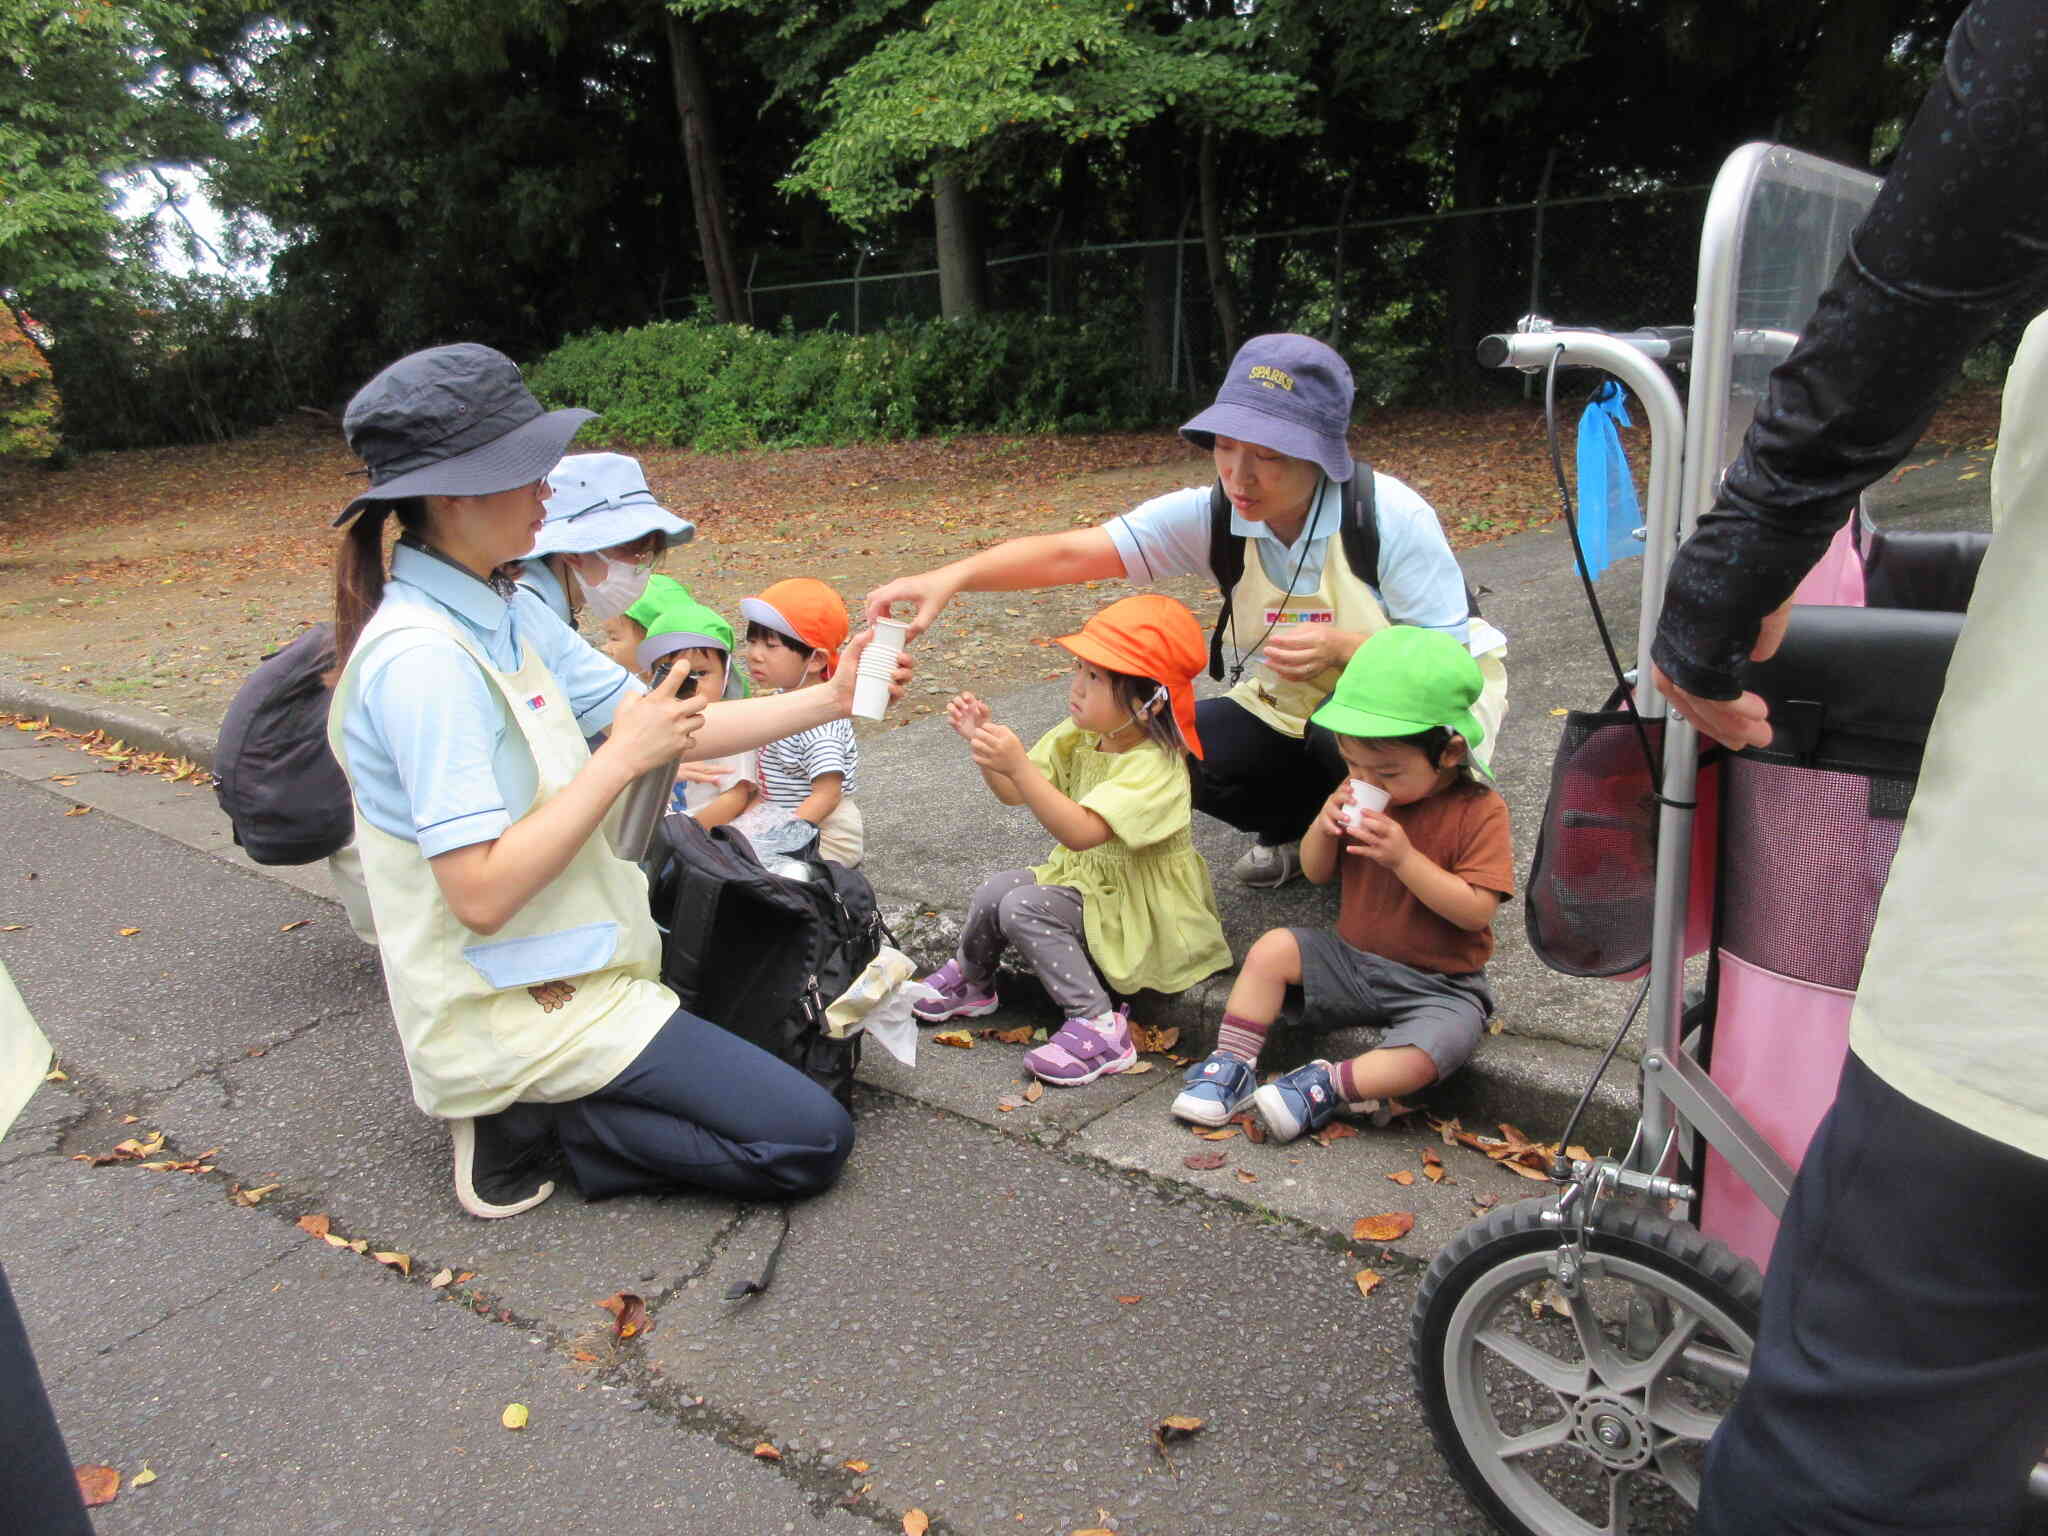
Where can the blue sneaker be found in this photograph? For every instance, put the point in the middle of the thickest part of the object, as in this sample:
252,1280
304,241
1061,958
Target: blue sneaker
1297,1102
1216,1089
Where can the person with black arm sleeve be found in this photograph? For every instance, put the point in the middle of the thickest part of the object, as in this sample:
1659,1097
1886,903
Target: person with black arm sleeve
1900,1378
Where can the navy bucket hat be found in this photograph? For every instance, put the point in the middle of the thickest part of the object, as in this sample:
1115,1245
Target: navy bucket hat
452,421
1285,392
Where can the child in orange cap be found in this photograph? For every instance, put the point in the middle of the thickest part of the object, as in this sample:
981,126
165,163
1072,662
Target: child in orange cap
794,633
1125,898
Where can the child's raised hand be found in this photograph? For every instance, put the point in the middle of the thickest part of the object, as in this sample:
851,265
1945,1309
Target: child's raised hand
966,714
1380,838
996,748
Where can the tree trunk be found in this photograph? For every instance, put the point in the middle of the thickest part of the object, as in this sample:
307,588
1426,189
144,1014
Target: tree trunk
963,277
1468,243
1221,288
700,160
1159,219
1841,109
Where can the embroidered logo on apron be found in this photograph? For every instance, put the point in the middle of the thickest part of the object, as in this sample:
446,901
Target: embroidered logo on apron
538,702
1279,616
552,995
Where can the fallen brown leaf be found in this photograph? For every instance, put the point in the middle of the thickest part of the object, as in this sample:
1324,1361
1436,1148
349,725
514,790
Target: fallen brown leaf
1034,1091
1336,1130
1129,1301
1178,1426
1386,1228
1021,1035
1367,1281
442,1277
1203,1162
129,933
1155,1042
1221,1133
1430,1155
143,1478
767,1452
958,1038
130,1119
855,1467
1254,1131
98,1485
79,810
1008,1103
334,1240
1434,1172
1402,1176
402,1262
288,927
1246,1176
629,1314
254,1196
916,1522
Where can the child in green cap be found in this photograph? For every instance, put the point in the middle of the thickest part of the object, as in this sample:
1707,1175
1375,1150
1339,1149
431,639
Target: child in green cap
1421,881
681,633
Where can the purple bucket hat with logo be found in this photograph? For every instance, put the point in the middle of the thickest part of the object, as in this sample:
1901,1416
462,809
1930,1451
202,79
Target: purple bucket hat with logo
1285,392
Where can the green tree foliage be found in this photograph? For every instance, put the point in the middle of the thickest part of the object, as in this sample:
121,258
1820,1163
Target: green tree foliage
976,76
29,407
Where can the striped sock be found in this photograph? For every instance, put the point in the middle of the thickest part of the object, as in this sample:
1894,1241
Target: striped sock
1241,1037
1347,1084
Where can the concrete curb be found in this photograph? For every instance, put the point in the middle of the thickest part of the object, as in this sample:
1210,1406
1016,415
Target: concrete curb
150,733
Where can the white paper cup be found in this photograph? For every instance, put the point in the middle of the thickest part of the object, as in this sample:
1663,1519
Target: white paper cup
1364,797
877,667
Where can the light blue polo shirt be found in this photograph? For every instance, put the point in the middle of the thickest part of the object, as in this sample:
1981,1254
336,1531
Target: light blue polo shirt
431,755
1418,581
540,576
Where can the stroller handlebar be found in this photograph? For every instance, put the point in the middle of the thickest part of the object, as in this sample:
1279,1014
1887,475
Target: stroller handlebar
1535,340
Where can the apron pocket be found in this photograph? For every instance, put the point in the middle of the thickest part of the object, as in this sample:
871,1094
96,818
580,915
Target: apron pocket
541,957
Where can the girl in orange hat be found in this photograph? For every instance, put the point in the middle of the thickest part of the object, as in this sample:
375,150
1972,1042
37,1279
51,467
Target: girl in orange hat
1124,899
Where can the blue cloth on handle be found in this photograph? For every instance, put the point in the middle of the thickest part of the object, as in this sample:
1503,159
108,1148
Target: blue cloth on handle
1608,513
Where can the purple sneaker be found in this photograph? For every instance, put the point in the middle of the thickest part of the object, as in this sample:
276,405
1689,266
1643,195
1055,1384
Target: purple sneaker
1084,1050
956,999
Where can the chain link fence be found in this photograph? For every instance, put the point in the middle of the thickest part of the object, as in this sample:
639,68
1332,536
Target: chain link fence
1403,298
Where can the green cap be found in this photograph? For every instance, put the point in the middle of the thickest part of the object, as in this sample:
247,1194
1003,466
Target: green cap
1403,681
661,591
682,623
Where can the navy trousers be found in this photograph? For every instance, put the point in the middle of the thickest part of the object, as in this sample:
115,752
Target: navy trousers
38,1490
700,1108
1900,1382
1257,779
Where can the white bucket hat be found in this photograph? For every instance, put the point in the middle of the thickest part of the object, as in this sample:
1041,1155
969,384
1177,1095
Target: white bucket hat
598,500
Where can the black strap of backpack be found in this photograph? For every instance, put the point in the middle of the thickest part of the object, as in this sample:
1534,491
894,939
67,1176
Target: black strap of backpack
692,914
1358,528
740,1290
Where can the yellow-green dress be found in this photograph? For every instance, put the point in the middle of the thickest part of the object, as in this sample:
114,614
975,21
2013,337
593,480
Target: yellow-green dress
1147,906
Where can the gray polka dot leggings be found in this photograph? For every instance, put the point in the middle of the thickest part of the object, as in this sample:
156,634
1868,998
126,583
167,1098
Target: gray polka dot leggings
1044,922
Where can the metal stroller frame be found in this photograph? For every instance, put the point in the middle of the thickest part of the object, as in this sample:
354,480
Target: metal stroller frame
1634,1411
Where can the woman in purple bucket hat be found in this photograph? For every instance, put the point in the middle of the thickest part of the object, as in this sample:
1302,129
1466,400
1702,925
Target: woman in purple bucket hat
1285,484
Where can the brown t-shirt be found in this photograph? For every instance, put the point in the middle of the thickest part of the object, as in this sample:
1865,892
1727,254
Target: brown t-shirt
1463,828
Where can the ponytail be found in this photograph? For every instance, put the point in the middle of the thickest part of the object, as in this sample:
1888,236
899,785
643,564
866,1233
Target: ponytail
359,570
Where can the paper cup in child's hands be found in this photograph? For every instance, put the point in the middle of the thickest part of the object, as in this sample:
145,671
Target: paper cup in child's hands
1363,797
877,668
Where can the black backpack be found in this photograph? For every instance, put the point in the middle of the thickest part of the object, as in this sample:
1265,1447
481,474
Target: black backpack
1358,530
763,954
274,775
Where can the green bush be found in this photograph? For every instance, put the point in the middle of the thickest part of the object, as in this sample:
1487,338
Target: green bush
715,387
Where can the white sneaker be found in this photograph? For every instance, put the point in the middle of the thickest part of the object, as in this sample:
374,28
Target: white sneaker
1264,867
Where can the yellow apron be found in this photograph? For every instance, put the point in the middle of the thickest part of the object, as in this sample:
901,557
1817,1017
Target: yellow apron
561,999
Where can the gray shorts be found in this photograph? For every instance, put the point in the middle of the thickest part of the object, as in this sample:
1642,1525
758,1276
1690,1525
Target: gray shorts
1442,1016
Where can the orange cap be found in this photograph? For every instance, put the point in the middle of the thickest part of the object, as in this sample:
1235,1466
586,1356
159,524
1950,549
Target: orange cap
805,609
1149,636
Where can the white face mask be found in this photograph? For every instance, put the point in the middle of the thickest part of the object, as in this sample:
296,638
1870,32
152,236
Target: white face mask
617,590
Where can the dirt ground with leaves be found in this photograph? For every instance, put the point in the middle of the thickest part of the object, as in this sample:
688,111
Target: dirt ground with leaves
160,577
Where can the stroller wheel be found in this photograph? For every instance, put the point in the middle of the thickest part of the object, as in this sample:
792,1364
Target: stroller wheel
1571,1416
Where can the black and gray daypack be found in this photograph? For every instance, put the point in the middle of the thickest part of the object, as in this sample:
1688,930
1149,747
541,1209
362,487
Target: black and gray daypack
1358,530
764,954
274,775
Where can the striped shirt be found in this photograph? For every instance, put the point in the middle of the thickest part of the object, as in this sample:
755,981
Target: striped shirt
789,765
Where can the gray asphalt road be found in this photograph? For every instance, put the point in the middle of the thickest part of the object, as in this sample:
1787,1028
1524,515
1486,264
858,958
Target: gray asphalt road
950,1315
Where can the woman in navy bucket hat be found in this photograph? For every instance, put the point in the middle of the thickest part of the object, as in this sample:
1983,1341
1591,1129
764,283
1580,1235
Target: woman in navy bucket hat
519,952
1295,613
